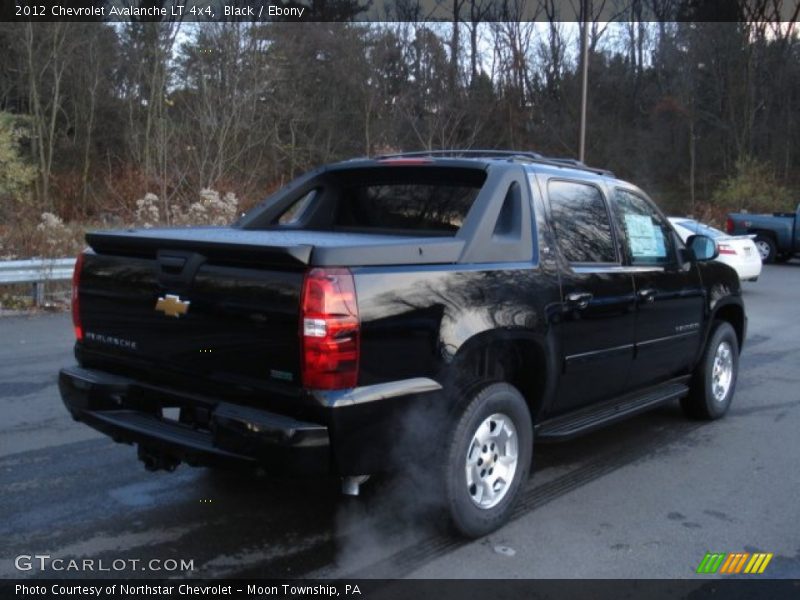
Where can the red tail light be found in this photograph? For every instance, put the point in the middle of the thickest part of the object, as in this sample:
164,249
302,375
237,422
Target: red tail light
729,225
329,330
76,303
405,162
726,249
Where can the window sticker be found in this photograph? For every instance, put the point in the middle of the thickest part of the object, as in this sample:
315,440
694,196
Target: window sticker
645,238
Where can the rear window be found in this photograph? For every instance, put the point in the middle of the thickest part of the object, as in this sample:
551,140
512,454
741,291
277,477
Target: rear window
396,200
411,206
699,228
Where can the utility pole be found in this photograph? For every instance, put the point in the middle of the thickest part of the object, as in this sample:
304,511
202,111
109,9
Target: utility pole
584,78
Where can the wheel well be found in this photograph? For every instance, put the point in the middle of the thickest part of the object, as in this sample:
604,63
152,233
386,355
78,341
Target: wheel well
734,315
765,233
520,363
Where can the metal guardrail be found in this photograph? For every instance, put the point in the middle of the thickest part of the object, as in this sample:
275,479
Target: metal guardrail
36,271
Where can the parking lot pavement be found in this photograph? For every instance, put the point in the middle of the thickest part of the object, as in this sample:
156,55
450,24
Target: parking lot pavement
645,498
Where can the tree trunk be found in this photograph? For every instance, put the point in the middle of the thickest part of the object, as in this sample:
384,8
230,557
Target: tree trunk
87,147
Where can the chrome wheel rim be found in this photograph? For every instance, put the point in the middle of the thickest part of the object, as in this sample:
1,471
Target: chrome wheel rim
763,249
722,372
491,461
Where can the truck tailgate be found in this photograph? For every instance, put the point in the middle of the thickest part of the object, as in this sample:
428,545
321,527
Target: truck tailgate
220,313
218,304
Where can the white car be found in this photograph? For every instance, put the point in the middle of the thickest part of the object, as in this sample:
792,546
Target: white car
738,251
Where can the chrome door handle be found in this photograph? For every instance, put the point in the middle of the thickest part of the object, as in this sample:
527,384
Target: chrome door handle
579,300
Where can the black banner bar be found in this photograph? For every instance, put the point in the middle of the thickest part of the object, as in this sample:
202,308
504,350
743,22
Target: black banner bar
260,11
405,589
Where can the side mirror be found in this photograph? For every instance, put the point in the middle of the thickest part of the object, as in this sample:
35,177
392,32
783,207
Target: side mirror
703,247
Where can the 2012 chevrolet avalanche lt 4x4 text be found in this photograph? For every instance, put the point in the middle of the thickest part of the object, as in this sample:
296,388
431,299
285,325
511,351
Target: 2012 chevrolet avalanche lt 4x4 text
439,311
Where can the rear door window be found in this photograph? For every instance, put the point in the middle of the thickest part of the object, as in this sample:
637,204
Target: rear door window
581,222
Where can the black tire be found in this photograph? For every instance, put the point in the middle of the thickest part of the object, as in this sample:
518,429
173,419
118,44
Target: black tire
766,248
702,403
466,515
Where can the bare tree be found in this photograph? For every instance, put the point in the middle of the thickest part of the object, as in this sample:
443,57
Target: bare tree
46,62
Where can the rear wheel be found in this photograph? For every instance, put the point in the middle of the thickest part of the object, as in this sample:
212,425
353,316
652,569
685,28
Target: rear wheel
487,459
714,381
766,248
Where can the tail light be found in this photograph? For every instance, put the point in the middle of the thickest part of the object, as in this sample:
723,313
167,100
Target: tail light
76,301
401,162
726,249
729,225
329,329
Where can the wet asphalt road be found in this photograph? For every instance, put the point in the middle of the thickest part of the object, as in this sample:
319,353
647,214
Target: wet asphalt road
645,498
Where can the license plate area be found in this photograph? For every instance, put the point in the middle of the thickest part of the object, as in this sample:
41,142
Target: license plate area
194,416
171,413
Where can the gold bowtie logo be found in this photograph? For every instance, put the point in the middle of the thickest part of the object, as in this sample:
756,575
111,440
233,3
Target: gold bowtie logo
172,305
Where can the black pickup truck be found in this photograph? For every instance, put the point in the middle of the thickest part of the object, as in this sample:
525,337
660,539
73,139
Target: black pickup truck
431,311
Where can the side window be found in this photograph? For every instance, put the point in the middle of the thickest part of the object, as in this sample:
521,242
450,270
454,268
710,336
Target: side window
581,222
295,212
509,221
648,236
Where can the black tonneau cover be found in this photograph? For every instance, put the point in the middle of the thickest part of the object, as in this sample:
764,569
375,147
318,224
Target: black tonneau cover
281,247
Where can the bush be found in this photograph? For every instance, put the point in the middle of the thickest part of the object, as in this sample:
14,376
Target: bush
34,233
753,188
147,212
54,239
210,209
16,176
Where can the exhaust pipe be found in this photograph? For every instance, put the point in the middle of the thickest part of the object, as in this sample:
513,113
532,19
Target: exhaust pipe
156,461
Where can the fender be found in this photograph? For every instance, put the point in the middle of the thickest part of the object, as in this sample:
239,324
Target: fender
725,291
543,344
722,306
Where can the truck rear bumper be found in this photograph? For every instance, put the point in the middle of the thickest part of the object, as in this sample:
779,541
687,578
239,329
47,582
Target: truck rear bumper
228,434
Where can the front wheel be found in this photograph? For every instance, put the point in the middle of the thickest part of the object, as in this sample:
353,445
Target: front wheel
714,381
487,459
766,248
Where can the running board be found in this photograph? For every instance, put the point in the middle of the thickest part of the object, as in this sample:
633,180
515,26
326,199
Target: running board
587,419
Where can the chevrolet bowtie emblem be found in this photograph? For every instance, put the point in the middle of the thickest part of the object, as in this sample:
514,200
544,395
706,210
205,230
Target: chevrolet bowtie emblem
172,305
